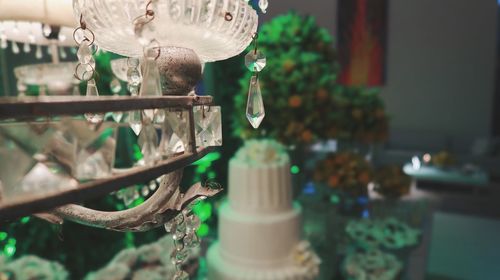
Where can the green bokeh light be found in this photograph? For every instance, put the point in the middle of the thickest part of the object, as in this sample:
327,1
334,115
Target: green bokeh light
208,159
25,220
3,236
295,169
137,152
9,250
335,199
203,210
203,231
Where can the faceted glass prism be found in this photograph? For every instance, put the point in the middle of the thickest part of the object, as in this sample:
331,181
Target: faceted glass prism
263,5
51,157
255,61
255,105
115,86
148,141
175,133
208,126
151,84
84,54
134,119
94,118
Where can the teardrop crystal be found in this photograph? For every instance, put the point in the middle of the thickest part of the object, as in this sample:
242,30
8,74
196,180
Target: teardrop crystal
93,92
151,81
3,42
263,5
151,84
133,76
38,53
135,121
62,53
15,48
255,104
46,30
148,140
26,48
115,86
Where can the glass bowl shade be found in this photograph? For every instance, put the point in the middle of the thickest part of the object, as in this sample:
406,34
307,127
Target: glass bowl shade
200,25
46,73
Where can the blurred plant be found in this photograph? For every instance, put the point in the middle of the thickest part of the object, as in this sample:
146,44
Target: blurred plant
32,267
304,103
345,171
391,181
443,159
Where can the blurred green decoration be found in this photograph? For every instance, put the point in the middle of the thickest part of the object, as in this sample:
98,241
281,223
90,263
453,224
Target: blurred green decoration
303,102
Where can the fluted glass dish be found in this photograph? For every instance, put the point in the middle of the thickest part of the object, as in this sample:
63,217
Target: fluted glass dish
200,25
46,73
32,33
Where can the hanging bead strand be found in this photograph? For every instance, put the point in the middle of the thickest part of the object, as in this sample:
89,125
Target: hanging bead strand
85,69
255,61
183,230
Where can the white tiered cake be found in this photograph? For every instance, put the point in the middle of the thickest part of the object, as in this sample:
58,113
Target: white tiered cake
259,226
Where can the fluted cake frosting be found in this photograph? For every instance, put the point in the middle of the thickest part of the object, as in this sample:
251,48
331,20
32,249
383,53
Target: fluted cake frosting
260,179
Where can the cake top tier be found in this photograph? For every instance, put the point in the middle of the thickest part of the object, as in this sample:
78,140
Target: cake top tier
261,153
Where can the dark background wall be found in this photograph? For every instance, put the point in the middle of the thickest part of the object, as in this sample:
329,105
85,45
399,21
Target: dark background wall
440,68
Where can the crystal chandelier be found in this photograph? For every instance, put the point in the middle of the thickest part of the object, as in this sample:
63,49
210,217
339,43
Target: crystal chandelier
64,146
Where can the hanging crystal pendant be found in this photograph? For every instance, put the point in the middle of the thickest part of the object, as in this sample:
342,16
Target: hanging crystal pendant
84,55
76,89
93,118
62,53
255,61
191,240
148,140
26,48
151,84
208,126
263,4
15,48
46,30
117,116
115,86
152,186
145,191
3,41
38,53
255,105
181,275
135,121
21,88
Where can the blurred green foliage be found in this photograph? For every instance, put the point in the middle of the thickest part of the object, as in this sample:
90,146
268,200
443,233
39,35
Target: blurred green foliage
303,101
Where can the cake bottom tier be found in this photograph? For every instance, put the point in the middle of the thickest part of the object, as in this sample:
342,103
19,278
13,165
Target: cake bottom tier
221,269
258,240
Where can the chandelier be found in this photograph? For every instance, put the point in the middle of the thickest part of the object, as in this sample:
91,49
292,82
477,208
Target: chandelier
63,147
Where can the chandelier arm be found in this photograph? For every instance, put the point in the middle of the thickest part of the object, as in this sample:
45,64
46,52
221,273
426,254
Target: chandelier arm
165,204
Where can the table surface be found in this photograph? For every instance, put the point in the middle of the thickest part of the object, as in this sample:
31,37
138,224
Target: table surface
450,176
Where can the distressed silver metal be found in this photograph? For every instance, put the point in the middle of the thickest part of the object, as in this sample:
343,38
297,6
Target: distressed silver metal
180,69
162,206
